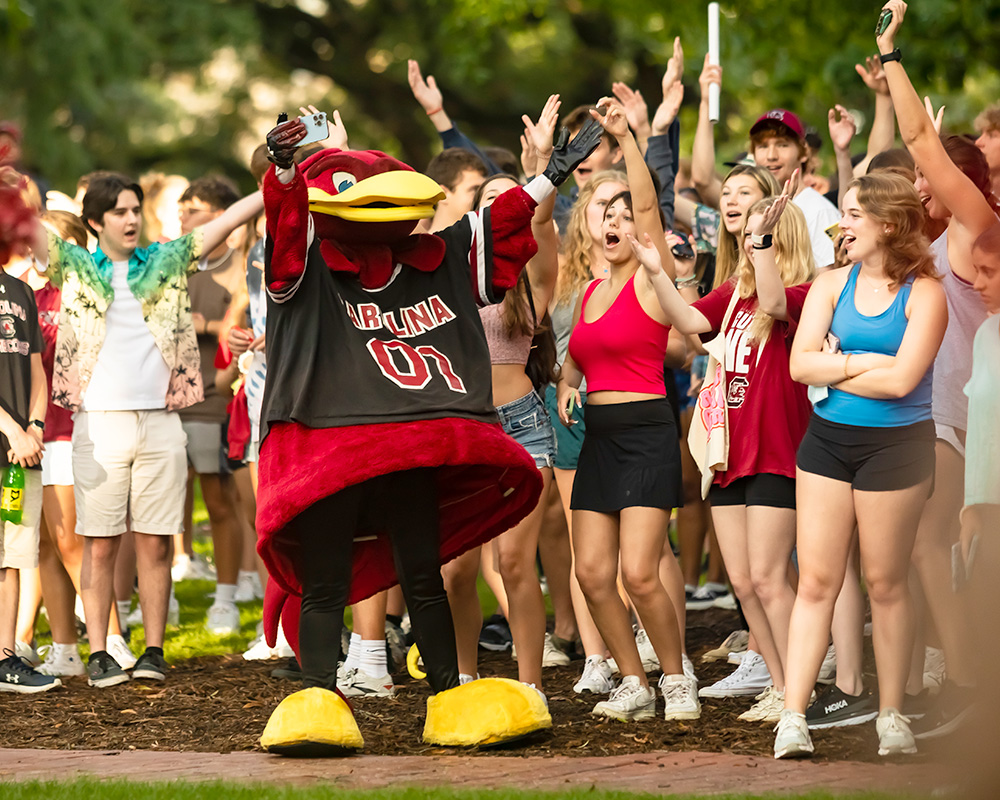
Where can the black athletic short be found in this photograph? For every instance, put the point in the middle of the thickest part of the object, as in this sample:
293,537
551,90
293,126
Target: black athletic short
870,459
765,489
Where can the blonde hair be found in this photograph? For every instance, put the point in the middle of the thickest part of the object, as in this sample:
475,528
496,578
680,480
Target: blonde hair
574,267
892,201
727,254
792,252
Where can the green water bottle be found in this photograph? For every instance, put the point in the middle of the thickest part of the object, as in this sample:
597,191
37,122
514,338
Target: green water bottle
13,494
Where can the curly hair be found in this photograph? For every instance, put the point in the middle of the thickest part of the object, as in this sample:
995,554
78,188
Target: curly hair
793,253
574,269
892,201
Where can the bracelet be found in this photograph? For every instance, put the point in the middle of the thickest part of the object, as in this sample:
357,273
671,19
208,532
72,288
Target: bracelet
690,280
435,111
847,377
895,55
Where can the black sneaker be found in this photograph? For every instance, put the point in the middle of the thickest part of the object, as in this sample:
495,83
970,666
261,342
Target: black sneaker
951,708
16,675
835,709
915,706
103,671
290,671
496,635
151,666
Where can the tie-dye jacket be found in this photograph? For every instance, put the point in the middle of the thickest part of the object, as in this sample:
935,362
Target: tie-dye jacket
157,276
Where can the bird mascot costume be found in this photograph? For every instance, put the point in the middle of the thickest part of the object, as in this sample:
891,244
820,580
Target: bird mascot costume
381,453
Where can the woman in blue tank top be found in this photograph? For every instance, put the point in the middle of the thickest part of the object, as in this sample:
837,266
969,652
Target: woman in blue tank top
870,332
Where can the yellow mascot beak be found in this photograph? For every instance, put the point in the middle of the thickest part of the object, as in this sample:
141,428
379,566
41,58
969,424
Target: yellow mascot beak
489,711
312,723
386,197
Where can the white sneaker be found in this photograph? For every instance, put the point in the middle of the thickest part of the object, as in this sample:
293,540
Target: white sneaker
688,668
681,696
630,701
650,662
464,678
61,660
358,683
770,703
736,642
248,588
749,678
134,617
828,669
894,734
223,619
792,736
259,650
540,693
25,651
180,568
552,656
596,677
934,669
735,658
119,650
201,570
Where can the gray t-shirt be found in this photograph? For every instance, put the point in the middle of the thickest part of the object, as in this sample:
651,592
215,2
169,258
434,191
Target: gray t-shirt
953,365
562,326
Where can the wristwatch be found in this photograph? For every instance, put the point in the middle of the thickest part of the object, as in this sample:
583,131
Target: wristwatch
761,242
38,424
895,55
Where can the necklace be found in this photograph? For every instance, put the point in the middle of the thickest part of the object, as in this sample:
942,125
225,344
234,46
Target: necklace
875,287
210,265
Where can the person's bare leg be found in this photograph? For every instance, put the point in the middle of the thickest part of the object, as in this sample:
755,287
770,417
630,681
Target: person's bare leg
824,531
716,566
368,617
9,591
28,602
242,497
516,549
460,576
887,526
184,542
848,628
125,570
936,534
673,582
227,542
97,584
395,604
693,516
557,562
590,636
921,619
57,588
153,555
261,569
491,575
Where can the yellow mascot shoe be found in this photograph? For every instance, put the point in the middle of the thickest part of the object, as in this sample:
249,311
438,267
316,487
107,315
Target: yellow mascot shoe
312,723
484,712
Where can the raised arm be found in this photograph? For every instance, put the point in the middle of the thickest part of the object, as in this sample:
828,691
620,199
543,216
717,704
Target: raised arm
636,112
882,135
543,269
842,130
771,297
703,173
950,185
214,233
679,314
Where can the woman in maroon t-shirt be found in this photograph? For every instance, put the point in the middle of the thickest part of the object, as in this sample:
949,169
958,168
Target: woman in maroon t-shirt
753,500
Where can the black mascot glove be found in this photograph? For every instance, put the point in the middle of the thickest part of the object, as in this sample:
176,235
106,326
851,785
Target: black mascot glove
568,155
282,140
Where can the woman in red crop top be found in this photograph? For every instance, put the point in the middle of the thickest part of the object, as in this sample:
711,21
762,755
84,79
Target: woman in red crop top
509,328
753,500
628,478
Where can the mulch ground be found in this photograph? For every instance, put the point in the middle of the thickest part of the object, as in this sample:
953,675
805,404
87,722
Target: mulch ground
221,704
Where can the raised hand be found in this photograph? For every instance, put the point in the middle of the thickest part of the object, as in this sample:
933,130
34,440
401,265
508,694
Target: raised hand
611,116
568,155
647,255
873,75
710,73
636,110
666,112
675,65
769,218
842,127
282,140
539,134
887,41
335,125
425,92
937,119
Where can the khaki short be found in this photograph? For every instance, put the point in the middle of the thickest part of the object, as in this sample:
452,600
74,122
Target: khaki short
129,462
19,543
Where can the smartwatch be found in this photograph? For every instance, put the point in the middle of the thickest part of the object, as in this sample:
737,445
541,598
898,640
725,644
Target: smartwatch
895,55
761,242
38,424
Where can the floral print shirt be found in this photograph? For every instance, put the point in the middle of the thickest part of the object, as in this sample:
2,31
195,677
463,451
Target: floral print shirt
157,276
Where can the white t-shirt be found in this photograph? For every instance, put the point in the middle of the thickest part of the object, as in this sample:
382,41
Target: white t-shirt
130,374
982,446
820,214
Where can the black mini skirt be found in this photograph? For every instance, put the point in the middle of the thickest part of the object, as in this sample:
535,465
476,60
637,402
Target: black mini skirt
630,457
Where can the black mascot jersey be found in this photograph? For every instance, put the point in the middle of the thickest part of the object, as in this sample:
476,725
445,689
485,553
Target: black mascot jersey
340,355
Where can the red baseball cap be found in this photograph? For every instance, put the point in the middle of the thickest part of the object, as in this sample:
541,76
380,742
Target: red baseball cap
783,117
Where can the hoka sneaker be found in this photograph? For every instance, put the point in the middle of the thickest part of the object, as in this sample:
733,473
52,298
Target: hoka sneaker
736,642
103,671
681,696
950,710
792,736
596,677
119,650
358,683
17,675
836,709
552,656
630,701
770,703
750,678
62,660
894,735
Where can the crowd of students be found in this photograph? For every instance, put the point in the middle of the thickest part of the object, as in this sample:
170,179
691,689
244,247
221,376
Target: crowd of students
810,389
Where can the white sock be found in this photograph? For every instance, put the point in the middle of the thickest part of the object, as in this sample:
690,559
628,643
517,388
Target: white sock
124,607
224,593
353,660
373,661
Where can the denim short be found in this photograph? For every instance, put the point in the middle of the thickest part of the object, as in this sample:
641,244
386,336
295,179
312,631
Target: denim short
569,440
527,423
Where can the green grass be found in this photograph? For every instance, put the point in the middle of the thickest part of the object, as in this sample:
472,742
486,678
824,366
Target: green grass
178,790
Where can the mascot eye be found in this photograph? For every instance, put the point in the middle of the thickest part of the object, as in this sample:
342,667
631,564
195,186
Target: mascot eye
343,181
